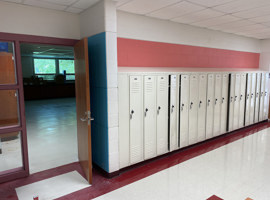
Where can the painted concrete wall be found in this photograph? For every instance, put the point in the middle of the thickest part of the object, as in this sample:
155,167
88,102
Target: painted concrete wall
146,28
265,55
30,20
102,42
27,66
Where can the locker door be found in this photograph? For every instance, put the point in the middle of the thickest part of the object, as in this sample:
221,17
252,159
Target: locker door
248,94
262,98
184,108
257,97
193,109
266,96
236,108
224,103
173,113
231,102
210,106
149,117
202,106
123,91
136,119
243,83
217,104
162,114
252,99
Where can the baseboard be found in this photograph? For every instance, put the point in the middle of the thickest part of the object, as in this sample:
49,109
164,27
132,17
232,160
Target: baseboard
105,173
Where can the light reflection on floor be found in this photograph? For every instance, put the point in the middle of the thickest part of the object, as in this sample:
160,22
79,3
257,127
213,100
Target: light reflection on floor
236,171
52,133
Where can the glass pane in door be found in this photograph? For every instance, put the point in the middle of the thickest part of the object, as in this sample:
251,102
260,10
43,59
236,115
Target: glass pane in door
9,109
7,64
10,152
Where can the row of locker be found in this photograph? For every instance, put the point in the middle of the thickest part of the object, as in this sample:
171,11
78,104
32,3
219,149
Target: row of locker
161,113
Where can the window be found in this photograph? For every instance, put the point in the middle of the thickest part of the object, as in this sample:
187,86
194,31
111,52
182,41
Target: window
48,68
45,68
67,65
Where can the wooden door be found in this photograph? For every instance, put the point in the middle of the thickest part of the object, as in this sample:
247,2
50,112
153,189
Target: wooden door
82,85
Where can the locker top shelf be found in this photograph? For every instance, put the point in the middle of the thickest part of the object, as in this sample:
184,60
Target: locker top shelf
182,69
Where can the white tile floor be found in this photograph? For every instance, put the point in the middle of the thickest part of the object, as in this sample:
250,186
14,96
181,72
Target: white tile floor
52,133
233,172
54,187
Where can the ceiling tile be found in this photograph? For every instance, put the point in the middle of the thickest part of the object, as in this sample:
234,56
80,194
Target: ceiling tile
176,10
210,3
61,2
84,4
74,10
241,5
121,2
13,1
260,19
44,4
255,12
146,6
216,21
251,27
232,25
198,16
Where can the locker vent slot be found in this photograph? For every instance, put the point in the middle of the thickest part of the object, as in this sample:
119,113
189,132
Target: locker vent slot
135,87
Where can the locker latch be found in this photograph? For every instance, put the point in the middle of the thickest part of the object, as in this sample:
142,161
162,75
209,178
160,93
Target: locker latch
191,105
131,114
145,113
200,104
265,94
172,108
231,99
223,99
158,110
235,98
182,107
251,96
241,97
208,102
247,96
215,101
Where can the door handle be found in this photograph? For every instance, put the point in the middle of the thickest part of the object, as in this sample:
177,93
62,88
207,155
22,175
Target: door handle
87,117
131,114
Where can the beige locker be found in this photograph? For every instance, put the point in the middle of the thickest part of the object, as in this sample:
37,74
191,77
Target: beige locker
243,83
224,103
210,106
217,104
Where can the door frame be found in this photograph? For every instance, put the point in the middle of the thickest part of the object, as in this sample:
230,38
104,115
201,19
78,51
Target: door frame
17,39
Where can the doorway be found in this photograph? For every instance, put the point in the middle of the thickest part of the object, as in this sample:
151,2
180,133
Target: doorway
50,105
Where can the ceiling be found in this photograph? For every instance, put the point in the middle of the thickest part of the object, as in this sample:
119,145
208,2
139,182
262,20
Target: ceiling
40,50
249,18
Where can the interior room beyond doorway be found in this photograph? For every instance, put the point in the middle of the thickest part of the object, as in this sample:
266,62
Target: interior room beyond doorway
50,105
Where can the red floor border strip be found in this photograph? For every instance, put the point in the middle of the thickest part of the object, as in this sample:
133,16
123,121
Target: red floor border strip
102,185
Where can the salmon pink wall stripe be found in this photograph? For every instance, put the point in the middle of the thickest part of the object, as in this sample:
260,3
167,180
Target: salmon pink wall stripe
139,53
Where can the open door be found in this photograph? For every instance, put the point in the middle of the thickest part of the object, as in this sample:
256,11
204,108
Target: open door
82,86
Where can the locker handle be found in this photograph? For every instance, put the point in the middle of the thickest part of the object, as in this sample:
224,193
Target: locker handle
131,114
265,94
146,110
235,98
200,104
231,99
182,107
191,105
172,108
241,97
208,102
223,99
247,96
251,95
215,101
158,110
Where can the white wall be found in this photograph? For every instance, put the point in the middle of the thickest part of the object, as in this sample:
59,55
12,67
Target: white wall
265,55
146,28
30,20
